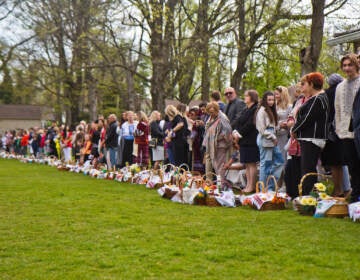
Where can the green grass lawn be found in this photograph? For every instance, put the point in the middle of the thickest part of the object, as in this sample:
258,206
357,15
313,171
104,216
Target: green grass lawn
61,225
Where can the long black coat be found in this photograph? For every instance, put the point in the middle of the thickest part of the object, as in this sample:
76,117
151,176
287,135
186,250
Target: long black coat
245,125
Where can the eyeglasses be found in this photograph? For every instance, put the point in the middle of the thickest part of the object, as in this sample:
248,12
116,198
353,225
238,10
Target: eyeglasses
228,93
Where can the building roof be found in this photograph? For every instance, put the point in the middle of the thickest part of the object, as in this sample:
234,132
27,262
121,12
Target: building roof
21,112
345,37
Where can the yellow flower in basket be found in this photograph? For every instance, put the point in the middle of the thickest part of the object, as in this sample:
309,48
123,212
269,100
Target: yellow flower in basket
303,201
320,187
323,195
311,201
200,194
308,200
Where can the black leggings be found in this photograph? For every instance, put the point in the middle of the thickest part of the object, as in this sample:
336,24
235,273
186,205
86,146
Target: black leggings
128,152
292,176
310,154
353,162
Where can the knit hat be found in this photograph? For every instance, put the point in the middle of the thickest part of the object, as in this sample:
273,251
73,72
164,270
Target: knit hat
334,79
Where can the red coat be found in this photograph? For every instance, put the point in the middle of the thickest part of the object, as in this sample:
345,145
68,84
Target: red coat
24,140
143,139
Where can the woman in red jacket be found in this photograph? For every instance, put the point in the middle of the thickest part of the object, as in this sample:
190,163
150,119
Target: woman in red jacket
142,139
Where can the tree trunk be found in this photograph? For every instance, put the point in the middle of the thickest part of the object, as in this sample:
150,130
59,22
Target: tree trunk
92,96
204,43
236,79
131,94
309,56
160,46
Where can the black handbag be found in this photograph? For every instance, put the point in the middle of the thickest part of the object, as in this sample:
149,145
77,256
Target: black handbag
153,143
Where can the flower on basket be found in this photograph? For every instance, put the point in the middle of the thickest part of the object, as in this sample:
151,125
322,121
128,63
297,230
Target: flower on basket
200,197
323,195
319,191
278,200
320,187
134,168
247,201
308,200
201,194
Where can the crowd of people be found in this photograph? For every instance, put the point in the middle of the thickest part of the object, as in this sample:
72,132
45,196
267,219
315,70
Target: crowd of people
273,135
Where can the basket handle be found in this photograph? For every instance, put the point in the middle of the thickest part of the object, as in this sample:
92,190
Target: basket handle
307,175
164,167
264,189
181,166
275,183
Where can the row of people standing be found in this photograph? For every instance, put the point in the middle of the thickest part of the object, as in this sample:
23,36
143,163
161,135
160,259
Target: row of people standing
322,127
314,121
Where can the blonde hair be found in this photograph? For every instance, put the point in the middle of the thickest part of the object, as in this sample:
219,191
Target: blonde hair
171,111
113,116
212,104
142,117
284,97
153,116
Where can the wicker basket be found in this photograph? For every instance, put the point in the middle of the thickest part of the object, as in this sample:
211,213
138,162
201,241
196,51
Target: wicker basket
161,183
63,168
308,210
199,200
211,201
169,193
305,210
338,210
164,168
269,205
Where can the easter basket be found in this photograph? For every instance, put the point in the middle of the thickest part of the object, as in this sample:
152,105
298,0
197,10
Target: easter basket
306,205
63,167
211,201
265,201
304,209
155,180
168,171
206,187
170,192
339,210
210,198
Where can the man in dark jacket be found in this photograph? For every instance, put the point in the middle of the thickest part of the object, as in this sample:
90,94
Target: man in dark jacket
111,141
234,107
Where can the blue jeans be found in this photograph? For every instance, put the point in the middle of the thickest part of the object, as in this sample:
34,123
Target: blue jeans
170,155
271,163
112,156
